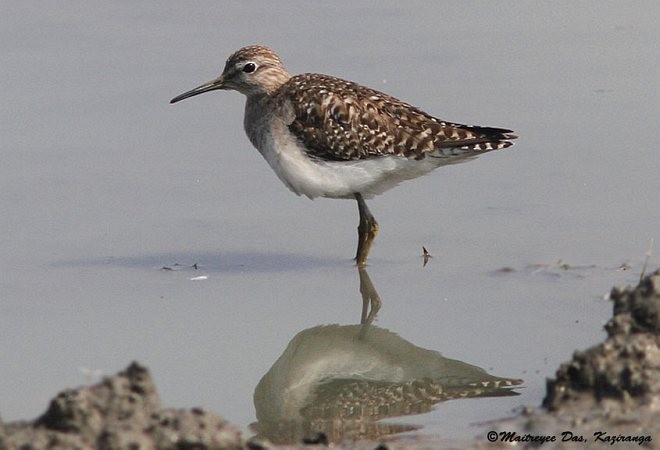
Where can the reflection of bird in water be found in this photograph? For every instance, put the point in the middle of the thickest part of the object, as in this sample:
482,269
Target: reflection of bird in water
339,380
329,380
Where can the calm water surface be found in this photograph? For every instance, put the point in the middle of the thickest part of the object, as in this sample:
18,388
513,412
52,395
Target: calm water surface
103,183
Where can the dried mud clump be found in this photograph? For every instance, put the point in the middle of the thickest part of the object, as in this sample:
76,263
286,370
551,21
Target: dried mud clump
121,412
626,366
607,395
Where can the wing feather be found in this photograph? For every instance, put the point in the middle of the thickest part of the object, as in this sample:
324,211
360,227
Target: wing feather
340,120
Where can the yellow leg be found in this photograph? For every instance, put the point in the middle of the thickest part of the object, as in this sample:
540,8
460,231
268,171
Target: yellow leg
370,302
367,231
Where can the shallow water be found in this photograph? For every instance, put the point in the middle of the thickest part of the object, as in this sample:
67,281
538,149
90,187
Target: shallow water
103,183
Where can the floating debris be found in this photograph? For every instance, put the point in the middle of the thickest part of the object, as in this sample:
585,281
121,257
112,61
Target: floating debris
177,266
426,255
624,266
199,278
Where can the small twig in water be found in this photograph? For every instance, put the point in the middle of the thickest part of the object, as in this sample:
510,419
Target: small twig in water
648,254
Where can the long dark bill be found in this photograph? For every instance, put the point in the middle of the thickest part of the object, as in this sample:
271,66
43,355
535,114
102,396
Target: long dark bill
213,85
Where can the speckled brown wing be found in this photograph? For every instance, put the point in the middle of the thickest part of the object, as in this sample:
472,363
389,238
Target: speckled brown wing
340,120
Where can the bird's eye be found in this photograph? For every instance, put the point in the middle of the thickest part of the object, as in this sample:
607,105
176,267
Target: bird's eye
249,67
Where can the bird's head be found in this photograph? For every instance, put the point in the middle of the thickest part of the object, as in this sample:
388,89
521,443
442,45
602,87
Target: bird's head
253,70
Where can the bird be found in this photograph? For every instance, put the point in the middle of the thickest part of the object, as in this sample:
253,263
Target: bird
329,137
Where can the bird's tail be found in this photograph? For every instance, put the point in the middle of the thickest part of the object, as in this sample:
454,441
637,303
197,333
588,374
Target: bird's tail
487,138
469,141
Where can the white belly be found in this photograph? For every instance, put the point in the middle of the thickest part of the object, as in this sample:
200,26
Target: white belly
337,179
333,179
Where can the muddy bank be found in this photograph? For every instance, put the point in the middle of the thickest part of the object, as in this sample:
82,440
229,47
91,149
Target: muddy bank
607,395
121,412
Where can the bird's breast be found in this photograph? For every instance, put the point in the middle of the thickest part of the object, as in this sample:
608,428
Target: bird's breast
267,127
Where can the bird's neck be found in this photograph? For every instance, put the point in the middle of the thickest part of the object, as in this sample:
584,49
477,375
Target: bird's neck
256,120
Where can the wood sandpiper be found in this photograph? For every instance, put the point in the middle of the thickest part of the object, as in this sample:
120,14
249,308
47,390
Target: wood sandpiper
328,137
